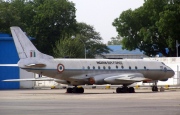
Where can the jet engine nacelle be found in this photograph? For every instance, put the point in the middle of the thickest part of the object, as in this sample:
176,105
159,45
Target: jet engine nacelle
61,81
95,80
163,80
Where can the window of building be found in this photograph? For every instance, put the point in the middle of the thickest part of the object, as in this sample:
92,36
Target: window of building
129,67
93,67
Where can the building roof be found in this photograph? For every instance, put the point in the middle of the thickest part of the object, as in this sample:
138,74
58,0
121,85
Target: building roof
117,49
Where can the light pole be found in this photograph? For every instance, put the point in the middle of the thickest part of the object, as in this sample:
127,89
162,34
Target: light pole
83,44
177,45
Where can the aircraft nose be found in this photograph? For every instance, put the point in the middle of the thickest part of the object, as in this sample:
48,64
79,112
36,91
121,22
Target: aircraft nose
171,73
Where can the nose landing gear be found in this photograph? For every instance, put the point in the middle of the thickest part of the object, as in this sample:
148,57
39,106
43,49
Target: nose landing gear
154,87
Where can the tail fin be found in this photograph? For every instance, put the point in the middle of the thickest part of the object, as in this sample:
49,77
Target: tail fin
24,46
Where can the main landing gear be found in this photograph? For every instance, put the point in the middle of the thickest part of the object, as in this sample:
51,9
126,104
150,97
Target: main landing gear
125,89
75,89
154,87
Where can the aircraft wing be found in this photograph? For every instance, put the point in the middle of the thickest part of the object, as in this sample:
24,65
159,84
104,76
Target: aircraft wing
115,78
127,77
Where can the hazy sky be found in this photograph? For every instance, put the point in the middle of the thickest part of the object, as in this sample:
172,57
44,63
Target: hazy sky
101,14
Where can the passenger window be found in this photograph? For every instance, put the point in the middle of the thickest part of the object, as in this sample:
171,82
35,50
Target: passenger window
122,67
109,67
88,67
116,67
104,67
99,67
144,67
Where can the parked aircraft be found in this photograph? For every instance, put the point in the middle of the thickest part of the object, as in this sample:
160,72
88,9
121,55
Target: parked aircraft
77,72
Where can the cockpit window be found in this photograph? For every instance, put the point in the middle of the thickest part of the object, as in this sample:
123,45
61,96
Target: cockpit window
162,63
165,69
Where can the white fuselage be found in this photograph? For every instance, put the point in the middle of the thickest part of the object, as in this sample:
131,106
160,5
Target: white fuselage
80,71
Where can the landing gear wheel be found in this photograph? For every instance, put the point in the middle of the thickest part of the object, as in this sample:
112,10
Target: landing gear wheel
123,89
154,88
131,90
81,90
75,90
69,90
119,90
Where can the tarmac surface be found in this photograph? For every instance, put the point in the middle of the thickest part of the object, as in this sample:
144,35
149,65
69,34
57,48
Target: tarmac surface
92,102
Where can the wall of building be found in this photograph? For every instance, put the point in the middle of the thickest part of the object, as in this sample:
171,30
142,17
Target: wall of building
8,55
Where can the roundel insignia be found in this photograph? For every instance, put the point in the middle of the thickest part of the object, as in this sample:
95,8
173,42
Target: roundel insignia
60,68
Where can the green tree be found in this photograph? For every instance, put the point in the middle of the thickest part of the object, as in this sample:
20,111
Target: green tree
68,48
46,20
146,27
85,38
115,40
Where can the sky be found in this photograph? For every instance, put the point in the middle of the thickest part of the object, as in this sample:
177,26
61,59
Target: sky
101,13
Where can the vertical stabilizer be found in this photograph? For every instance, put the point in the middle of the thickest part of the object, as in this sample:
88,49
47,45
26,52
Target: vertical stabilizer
24,46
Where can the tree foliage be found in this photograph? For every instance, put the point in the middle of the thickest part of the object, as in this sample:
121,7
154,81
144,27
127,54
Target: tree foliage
69,48
115,40
85,38
151,27
46,20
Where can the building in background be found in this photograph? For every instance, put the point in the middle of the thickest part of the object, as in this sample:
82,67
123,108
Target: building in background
119,53
10,70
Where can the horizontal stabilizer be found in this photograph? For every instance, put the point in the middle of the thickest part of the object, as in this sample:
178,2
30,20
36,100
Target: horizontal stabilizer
30,79
9,65
36,65
37,79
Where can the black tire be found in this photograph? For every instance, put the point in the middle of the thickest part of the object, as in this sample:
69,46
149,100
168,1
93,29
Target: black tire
119,90
131,90
81,90
154,88
69,90
125,90
74,90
